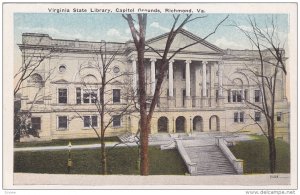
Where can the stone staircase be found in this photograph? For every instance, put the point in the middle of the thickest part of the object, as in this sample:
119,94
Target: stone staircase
210,160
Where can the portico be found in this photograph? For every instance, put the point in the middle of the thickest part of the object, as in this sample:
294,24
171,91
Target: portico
191,83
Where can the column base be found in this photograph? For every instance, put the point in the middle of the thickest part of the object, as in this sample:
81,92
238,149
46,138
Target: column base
188,102
212,101
220,102
171,102
196,102
204,101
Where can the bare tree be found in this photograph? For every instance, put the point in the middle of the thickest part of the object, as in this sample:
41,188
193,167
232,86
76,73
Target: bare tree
265,72
33,56
139,39
103,63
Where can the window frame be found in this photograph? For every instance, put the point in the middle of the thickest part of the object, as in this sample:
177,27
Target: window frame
89,97
279,114
259,96
257,116
58,123
120,121
90,118
40,122
58,95
113,98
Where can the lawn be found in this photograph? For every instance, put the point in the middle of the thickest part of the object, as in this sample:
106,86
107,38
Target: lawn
63,142
121,160
255,154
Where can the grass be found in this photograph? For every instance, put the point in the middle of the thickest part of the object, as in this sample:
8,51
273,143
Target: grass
255,154
121,160
64,142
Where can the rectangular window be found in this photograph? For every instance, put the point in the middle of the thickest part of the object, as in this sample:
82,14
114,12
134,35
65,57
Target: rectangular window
90,96
246,94
236,117
279,116
62,122
94,96
257,95
36,123
229,96
241,117
183,97
62,96
90,121
117,121
94,121
236,95
86,121
239,96
183,72
257,116
78,95
116,95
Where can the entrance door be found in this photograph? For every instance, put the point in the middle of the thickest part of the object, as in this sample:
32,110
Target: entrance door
180,124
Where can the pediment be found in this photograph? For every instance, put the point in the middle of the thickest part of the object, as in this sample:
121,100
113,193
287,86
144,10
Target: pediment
182,39
116,83
61,81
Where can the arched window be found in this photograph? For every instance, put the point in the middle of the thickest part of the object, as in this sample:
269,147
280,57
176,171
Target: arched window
36,80
90,79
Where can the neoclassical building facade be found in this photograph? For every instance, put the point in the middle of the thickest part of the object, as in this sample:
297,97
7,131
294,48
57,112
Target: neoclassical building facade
205,89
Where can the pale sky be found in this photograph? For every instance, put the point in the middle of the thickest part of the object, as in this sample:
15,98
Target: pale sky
112,27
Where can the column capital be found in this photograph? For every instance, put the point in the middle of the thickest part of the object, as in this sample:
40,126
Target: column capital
171,61
152,59
204,62
188,61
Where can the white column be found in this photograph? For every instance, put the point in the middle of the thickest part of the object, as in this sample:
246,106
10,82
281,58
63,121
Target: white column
152,75
187,78
204,94
221,66
134,74
171,78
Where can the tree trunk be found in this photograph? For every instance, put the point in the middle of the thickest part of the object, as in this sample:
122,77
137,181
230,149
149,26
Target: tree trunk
272,153
145,128
103,158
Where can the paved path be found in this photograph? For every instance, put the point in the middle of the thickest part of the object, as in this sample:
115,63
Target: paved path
157,139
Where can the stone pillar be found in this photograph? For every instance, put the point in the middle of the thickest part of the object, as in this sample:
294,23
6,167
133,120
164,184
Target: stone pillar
221,79
171,100
187,84
134,74
152,75
220,85
171,78
212,86
204,92
187,78
197,87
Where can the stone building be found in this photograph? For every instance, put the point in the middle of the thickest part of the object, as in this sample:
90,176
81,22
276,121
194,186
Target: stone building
209,87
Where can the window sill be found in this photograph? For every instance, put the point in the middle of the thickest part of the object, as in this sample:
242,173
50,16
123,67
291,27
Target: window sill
61,129
88,128
116,127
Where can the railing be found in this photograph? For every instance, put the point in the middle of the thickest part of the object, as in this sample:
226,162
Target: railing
237,163
192,167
